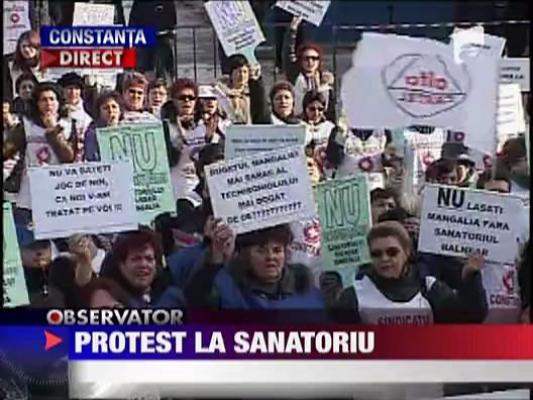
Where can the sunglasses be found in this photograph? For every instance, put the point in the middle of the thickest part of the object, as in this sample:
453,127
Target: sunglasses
133,91
186,98
389,251
311,58
316,109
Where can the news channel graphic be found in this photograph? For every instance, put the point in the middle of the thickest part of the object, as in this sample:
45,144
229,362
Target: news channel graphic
93,46
118,348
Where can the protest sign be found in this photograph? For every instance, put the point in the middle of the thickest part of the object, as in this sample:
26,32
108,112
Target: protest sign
262,190
243,140
16,22
458,221
144,145
94,15
14,283
500,282
82,198
344,212
86,14
312,11
416,81
474,41
510,119
236,26
515,70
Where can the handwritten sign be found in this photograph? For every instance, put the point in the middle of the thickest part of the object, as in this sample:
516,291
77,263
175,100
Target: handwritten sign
236,27
515,70
344,212
312,11
16,22
242,140
144,145
82,198
262,190
93,14
14,283
459,221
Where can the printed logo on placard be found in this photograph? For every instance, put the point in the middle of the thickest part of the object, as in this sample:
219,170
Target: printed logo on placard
425,85
312,232
508,279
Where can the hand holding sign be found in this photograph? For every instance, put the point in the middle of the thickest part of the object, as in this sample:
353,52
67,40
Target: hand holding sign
473,264
222,240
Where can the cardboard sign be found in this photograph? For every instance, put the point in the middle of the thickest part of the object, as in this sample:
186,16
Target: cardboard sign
145,145
474,41
416,81
16,22
344,212
459,222
510,120
236,26
14,283
262,190
515,70
242,140
82,198
93,14
500,282
312,11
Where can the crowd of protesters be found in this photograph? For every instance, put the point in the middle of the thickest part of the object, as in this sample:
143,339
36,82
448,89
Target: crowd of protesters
194,260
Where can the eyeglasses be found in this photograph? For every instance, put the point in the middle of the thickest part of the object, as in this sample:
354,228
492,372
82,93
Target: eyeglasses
311,58
320,109
389,251
133,91
186,98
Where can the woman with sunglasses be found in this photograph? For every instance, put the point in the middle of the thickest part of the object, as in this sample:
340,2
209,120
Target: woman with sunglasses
26,60
318,128
393,292
134,93
185,134
304,69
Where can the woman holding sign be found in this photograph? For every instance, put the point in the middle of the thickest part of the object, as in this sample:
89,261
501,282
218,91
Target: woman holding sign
304,69
251,272
44,138
392,293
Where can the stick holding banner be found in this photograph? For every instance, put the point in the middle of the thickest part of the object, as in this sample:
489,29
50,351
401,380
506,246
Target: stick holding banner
236,26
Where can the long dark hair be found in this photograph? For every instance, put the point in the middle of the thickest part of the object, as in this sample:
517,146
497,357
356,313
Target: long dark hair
34,113
22,63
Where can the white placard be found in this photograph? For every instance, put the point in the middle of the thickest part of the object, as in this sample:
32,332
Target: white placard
236,27
243,140
398,81
312,11
93,14
515,70
458,221
16,22
262,190
94,197
510,118
473,41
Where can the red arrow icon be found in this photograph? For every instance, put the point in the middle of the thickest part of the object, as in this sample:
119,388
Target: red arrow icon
51,340
49,57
